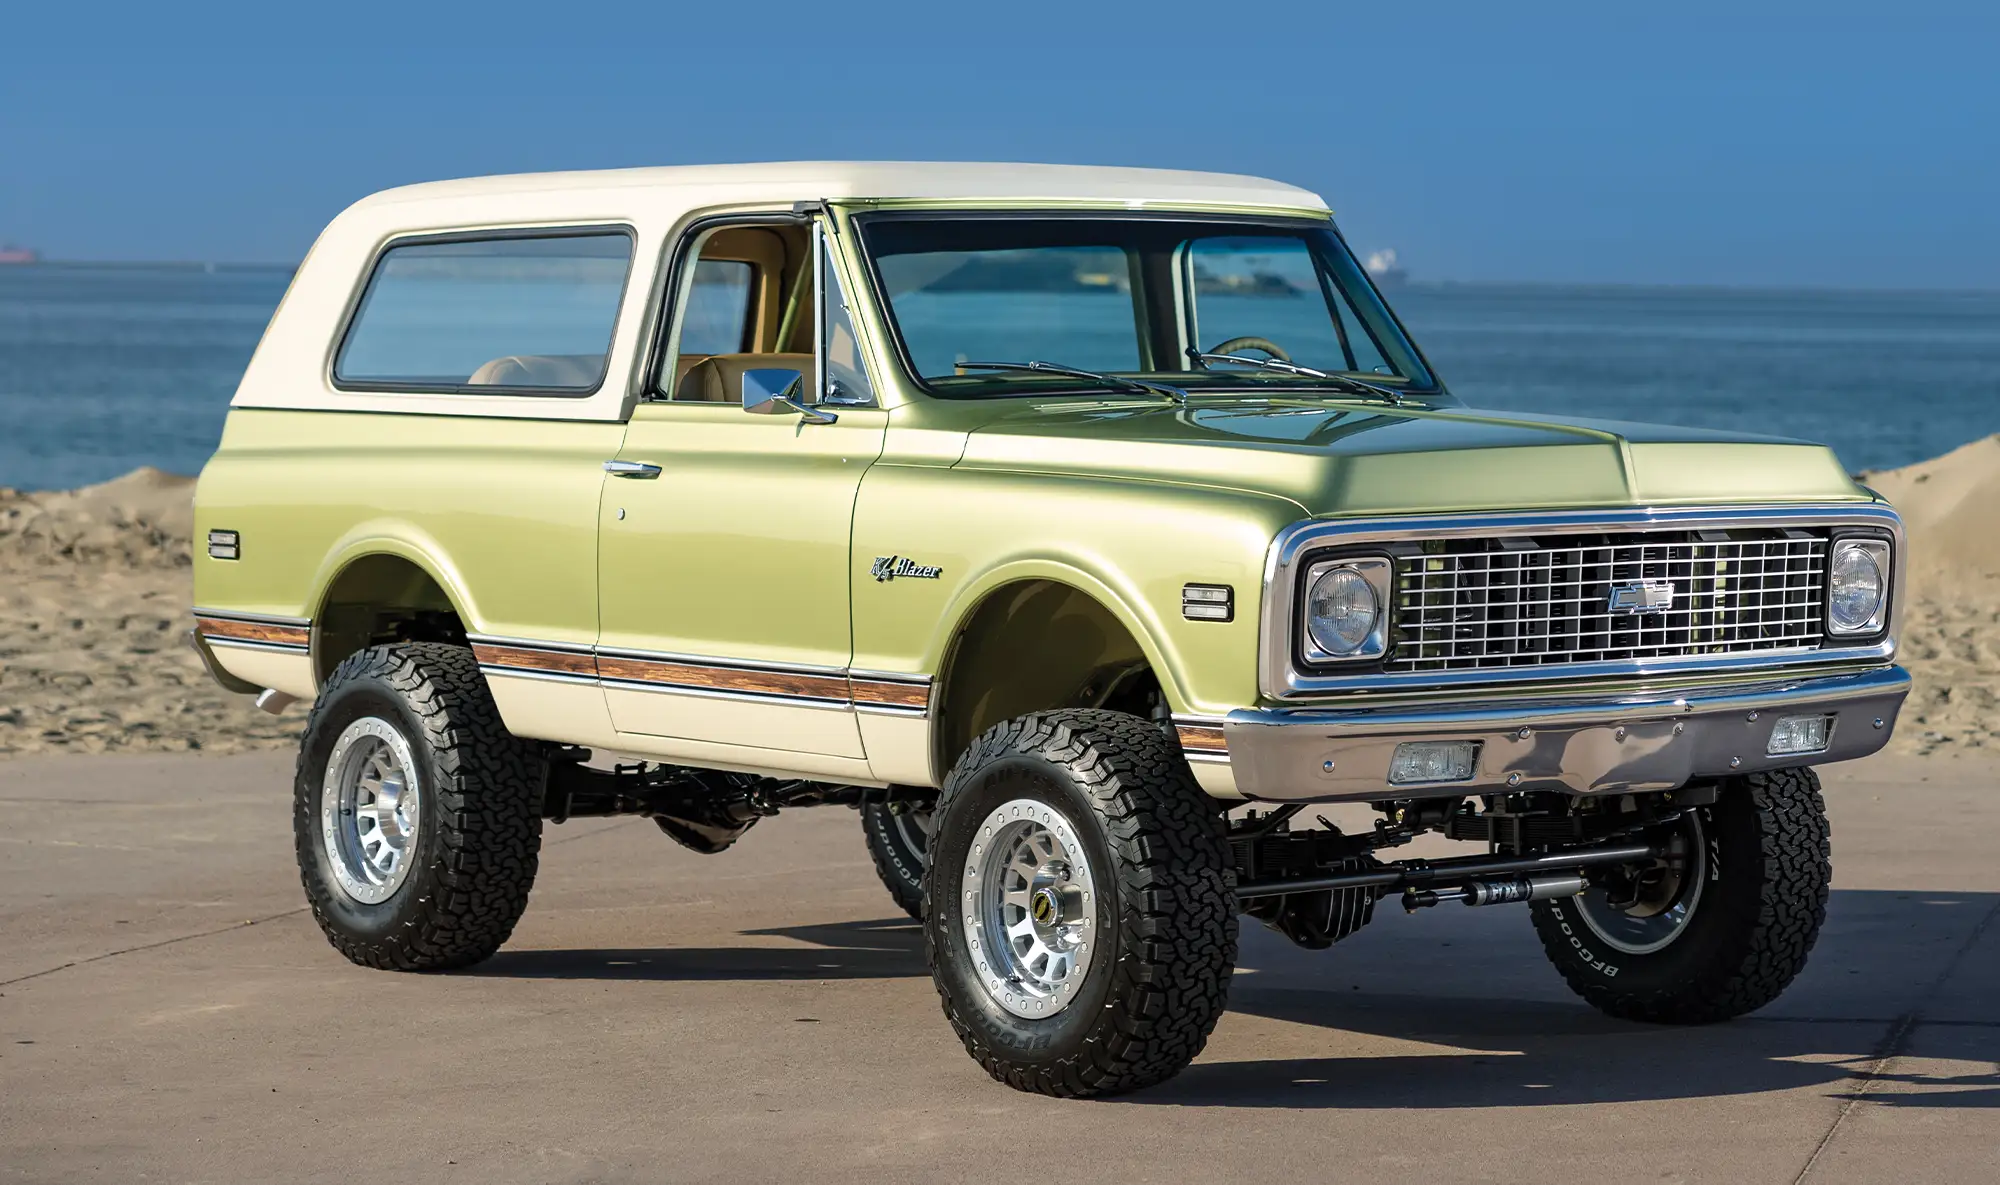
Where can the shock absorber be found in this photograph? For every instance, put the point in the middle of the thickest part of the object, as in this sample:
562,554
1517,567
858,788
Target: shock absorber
1500,890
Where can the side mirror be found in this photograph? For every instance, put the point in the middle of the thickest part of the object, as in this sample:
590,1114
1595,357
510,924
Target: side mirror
775,392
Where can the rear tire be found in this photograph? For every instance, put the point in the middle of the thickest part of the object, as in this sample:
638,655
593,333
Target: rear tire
431,884
897,842
1086,828
1748,916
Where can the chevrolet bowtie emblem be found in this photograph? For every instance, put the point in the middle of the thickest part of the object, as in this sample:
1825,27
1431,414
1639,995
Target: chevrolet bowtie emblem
888,567
1644,596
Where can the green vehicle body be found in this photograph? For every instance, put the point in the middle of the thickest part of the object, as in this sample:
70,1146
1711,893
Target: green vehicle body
1063,530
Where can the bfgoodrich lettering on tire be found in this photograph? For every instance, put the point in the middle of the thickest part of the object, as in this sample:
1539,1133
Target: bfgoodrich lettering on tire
1725,930
1079,921
898,837
416,815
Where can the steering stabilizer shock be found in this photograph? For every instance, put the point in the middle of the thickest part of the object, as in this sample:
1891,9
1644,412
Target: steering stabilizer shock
1498,891
1449,879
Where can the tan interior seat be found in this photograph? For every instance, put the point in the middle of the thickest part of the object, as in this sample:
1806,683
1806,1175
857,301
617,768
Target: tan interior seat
539,370
685,363
719,377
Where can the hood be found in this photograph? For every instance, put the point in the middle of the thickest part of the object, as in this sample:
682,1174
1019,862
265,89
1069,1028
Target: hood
1341,459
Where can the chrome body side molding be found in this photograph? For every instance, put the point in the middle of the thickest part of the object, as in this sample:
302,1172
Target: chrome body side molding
250,631
794,685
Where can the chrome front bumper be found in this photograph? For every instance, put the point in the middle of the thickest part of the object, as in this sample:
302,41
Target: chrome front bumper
1601,745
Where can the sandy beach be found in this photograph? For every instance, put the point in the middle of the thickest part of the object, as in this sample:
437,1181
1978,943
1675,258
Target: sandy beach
94,598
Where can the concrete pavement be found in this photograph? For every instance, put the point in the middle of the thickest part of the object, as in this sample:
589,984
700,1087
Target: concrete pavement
168,1011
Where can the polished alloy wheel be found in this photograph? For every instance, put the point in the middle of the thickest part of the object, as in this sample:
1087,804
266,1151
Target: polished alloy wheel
1658,906
371,807
1030,908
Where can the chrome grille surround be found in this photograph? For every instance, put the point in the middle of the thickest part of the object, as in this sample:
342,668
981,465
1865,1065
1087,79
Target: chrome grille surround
1482,603
1472,631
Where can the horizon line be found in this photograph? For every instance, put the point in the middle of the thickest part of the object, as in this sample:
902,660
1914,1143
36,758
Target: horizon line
1390,288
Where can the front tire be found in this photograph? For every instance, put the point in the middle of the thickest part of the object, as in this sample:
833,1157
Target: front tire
417,817
1079,918
1729,929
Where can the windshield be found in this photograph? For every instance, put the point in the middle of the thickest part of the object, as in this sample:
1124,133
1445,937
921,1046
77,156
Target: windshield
1198,303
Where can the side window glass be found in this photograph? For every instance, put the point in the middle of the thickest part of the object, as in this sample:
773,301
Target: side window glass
530,314
1366,355
717,320
846,376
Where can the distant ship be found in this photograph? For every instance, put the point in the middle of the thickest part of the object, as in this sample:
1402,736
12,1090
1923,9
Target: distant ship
1384,270
9,253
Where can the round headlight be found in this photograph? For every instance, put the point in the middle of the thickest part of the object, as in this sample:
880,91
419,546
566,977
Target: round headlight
1341,609
1858,588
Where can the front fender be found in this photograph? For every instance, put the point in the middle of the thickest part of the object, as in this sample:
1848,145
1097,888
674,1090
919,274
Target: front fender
1131,546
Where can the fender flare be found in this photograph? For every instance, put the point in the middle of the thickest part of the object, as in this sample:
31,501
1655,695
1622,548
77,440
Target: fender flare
1123,603
386,537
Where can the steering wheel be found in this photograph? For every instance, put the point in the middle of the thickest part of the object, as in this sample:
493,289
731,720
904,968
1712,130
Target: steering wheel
1252,343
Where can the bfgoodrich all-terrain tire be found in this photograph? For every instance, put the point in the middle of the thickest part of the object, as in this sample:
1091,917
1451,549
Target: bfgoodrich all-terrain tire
1729,933
897,841
1079,919
416,815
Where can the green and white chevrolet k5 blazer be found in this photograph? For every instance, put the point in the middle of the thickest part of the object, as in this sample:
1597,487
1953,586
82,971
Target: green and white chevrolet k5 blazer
1079,526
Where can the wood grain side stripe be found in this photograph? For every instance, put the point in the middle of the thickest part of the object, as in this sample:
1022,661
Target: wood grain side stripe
1202,738
523,658
892,695
266,632
668,673
740,680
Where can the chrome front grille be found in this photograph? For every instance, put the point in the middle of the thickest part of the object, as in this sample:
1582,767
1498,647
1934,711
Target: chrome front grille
1489,603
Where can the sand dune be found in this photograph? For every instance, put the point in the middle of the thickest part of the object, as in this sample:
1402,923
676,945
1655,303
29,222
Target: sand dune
94,588
1951,628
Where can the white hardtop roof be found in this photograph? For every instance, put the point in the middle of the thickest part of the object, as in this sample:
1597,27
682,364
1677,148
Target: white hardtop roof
944,181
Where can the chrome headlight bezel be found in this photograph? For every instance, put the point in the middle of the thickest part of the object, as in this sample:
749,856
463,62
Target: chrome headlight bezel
1879,553
1380,574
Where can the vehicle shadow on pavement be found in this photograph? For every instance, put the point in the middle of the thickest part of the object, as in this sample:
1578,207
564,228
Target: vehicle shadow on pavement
1495,1027
886,948
1494,1024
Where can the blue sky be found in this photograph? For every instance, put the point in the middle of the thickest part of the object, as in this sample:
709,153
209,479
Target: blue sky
1803,144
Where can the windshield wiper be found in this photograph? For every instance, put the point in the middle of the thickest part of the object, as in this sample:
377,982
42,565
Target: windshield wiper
1203,358
1117,381
1278,364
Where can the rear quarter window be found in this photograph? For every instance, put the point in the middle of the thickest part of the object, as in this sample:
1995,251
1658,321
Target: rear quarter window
488,315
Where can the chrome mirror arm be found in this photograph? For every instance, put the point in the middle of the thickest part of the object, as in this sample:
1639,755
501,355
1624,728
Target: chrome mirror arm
769,392
812,414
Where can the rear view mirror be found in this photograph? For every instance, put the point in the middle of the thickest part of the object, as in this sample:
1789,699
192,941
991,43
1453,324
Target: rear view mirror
775,392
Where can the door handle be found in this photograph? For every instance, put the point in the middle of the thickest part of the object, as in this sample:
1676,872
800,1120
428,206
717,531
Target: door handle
631,469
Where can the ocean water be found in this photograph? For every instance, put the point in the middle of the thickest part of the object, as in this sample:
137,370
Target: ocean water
106,368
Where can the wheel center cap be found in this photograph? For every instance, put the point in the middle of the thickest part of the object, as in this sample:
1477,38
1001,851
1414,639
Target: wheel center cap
1045,907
